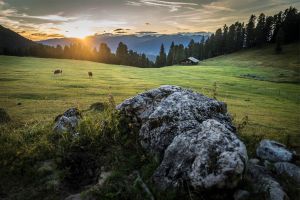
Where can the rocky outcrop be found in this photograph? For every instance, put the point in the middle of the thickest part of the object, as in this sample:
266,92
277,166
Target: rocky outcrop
68,121
273,151
193,135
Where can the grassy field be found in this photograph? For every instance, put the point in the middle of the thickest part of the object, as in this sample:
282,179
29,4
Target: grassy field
258,84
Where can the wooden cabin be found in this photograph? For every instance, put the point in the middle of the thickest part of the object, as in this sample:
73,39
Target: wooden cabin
190,61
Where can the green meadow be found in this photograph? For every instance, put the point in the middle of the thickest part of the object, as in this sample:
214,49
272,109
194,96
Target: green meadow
254,83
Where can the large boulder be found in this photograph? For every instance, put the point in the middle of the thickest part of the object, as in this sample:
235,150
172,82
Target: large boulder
210,156
68,121
274,151
192,134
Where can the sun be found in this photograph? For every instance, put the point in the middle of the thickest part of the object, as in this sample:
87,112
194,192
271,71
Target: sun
78,29
81,33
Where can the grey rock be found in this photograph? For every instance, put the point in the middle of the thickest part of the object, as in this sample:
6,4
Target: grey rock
273,151
288,169
165,112
241,195
68,121
103,177
193,135
4,117
210,156
264,183
74,197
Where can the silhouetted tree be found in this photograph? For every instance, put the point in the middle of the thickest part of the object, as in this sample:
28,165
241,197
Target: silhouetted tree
260,38
161,59
171,55
250,32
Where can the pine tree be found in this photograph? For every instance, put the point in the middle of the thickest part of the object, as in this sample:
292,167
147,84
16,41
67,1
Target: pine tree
104,53
250,32
122,53
268,28
161,59
260,37
231,39
171,55
217,41
277,24
291,25
224,48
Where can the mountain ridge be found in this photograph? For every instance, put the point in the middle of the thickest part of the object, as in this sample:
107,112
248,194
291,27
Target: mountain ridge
148,44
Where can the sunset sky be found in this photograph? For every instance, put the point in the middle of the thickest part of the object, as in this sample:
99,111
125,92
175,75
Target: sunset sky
43,19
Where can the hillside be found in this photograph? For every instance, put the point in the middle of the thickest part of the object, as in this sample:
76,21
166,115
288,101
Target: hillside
11,41
255,87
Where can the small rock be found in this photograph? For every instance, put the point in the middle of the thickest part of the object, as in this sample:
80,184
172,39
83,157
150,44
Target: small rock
4,117
103,177
288,169
273,151
74,197
68,121
264,183
241,195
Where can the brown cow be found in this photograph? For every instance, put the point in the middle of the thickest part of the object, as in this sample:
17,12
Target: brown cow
90,74
57,71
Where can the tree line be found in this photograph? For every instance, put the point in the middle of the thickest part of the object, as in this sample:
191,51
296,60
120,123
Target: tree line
282,28
79,51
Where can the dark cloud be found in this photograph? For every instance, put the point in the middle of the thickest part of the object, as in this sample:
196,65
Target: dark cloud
121,29
146,32
47,35
120,32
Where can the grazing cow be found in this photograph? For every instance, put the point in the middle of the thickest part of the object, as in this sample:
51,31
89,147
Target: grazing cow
57,71
90,74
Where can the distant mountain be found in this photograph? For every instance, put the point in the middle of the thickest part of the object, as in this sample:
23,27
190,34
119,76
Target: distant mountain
148,44
59,41
11,41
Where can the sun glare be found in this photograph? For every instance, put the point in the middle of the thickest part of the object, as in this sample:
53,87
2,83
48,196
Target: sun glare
78,29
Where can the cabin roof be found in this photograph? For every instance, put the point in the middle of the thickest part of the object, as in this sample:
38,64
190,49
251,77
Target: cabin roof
195,60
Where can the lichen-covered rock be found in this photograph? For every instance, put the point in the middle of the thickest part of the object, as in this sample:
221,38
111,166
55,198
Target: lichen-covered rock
288,169
4,117
273,151
165,112
192,134
68,121
264,183
210,156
